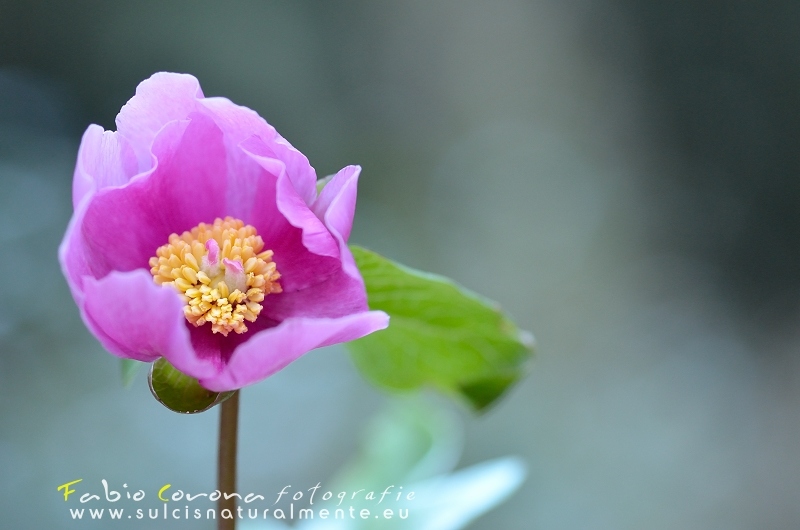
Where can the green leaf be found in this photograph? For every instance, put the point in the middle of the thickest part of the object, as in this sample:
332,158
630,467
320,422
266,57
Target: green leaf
129,369
180,392
440,335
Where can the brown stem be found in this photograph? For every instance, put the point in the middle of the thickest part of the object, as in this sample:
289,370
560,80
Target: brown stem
226,462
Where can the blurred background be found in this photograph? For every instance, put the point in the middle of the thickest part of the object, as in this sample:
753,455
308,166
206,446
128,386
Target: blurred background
620,175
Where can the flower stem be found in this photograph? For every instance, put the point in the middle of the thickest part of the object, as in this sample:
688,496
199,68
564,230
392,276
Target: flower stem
226,461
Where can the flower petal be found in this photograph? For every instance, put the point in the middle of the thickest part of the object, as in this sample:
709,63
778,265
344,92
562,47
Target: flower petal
72,254
343,292
136,319
336,204
162,98
123,227
339,208
304,257
240,123
338,295
270,350
104,159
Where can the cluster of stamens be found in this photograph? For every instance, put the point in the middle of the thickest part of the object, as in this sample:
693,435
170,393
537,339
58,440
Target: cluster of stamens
222,272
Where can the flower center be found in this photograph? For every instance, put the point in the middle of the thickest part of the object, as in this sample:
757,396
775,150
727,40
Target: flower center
222,272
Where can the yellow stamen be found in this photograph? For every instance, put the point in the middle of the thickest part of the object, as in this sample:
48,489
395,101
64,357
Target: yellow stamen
221,270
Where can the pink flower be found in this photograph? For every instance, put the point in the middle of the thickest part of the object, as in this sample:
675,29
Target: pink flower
198,235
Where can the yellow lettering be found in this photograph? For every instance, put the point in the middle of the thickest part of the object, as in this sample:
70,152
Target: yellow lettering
66,489
162,490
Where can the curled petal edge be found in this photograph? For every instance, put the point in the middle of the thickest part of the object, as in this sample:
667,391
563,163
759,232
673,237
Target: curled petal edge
270,350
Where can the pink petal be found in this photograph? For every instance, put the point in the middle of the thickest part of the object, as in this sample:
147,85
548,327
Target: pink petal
305,251
123,227
336,204
337,208
270,350
341,293
240,123
72,254
336,296
162,98
316,237
104,159
136,319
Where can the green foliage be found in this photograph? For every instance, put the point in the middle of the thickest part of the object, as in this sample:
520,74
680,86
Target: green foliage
180,392
440,335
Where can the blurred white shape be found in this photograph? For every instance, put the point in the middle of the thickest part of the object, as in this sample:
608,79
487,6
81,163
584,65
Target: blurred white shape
412,447
452,501
446,502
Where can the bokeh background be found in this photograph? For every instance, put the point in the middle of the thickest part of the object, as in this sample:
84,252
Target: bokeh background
621,175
